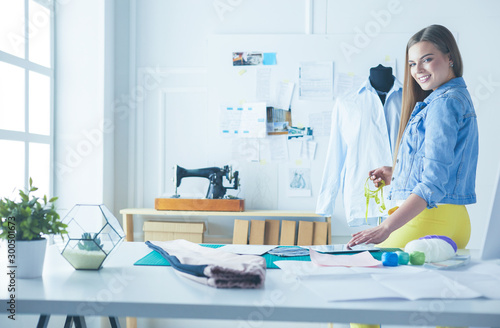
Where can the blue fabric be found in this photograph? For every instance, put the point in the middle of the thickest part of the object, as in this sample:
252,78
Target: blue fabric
195,270
362,137
437,158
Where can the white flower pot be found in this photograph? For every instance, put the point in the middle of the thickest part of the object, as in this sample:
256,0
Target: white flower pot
30,255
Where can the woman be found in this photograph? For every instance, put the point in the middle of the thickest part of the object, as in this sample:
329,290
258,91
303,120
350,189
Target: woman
433,175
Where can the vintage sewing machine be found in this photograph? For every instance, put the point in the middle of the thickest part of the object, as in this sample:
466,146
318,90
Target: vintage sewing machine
215,175
215,200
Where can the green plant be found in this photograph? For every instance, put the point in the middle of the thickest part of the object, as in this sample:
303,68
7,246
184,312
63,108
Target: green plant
28,219
89,243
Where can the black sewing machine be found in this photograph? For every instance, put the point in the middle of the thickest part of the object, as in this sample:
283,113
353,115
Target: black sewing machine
216,189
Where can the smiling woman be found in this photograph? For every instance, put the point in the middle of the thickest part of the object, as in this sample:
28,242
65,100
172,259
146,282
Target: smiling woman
436,151
434,171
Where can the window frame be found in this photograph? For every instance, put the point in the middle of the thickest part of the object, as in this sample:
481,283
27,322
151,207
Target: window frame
28,66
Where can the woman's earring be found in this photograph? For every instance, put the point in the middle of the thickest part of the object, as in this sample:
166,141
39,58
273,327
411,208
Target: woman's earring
451,64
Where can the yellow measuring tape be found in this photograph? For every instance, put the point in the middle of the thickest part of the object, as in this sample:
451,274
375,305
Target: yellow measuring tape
379,199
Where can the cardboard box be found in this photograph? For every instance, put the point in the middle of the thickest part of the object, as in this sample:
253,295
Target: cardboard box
164,230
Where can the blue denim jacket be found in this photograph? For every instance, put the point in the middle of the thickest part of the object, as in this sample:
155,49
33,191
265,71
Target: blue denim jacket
437,156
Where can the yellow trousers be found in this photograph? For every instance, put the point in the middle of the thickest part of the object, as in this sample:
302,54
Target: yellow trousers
445,220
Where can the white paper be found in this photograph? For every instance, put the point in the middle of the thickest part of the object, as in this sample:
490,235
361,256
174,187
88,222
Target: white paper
263,87
363,259
316,80
274,148
247,249
245,150
284,95
308,270
321,123
347,82
245,121
308,149
299,181
349,288
429,284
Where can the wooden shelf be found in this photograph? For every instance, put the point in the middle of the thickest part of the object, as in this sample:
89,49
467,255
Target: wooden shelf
128,216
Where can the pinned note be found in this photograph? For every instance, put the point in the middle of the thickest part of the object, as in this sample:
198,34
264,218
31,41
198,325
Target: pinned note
269,58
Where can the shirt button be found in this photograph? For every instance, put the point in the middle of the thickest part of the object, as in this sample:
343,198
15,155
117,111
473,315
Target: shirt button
392,179
397,161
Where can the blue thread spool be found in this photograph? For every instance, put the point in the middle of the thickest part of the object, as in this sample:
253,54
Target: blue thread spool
403,258
390,259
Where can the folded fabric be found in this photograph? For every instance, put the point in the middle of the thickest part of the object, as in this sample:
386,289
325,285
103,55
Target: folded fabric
210,266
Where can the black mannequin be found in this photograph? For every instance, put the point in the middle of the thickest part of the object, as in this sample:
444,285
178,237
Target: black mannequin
382,80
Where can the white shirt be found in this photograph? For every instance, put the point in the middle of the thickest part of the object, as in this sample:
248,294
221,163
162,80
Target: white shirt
362,138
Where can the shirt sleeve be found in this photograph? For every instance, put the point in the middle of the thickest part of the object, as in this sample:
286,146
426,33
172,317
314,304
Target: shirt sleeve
335,158
441,125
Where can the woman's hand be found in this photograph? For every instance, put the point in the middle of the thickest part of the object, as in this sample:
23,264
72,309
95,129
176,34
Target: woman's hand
382,173
374,235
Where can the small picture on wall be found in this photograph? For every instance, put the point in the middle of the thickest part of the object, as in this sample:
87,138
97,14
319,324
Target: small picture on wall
246,58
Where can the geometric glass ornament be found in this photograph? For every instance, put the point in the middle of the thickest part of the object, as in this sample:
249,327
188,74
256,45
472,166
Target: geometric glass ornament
93,233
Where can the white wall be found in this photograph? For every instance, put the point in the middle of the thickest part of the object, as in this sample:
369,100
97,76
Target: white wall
83,103
173,34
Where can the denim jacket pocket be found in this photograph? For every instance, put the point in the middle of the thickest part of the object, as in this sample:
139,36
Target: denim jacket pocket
413,133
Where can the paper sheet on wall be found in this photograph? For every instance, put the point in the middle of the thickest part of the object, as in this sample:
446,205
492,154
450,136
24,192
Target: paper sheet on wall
284,95
321,123
245,121
245,150
299,180
263,84
274,148
346,82
316,81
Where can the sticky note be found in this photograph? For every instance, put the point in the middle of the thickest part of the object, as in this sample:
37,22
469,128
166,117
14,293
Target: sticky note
243,71
269,58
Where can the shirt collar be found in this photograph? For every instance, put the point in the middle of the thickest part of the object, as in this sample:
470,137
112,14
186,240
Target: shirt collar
457,82
368,86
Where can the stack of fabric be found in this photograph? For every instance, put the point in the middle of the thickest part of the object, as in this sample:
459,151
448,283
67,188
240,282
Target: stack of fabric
210,266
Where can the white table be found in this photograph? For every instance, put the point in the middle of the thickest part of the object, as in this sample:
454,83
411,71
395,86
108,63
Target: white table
121,289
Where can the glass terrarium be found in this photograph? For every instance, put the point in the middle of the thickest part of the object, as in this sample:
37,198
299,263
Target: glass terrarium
93,233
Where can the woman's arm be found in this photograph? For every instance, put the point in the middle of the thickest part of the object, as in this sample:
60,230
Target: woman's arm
411,207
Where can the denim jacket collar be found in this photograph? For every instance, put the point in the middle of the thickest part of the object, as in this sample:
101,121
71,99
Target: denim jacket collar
457,82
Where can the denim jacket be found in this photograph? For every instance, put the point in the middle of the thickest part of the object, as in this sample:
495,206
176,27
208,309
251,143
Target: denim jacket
437,157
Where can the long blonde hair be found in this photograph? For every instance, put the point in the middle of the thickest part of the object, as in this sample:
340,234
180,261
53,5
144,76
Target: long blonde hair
444,41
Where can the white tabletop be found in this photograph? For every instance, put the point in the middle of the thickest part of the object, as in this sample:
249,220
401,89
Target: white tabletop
122,289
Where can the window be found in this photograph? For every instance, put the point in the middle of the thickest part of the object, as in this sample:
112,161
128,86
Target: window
26,95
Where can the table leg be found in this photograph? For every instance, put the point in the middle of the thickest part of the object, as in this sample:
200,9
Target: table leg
114,322
329,228
79,322
131,322
128,226
43,321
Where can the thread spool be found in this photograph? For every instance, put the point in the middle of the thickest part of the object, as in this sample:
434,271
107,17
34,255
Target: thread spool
417,258
403,258
390,259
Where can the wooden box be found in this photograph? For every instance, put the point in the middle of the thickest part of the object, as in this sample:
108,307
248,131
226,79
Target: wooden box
163,231
189,204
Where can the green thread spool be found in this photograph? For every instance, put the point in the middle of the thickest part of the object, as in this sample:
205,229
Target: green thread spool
379,199
403,258
417,258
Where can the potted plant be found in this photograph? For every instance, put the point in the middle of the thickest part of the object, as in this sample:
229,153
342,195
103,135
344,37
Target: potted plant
23,224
